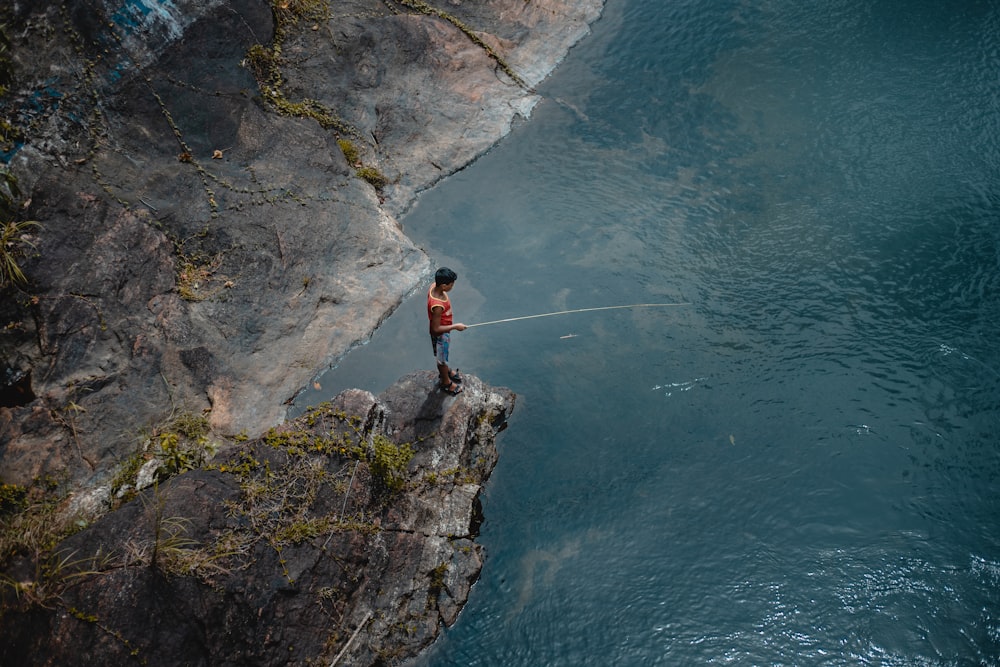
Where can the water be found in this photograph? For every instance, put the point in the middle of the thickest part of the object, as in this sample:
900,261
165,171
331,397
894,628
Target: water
802,466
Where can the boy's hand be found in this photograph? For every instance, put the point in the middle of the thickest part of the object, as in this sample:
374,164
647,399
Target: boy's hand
459,327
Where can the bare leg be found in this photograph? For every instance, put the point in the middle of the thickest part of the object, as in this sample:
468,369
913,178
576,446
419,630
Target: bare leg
445,374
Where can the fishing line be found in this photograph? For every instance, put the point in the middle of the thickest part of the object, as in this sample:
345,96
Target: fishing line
578,310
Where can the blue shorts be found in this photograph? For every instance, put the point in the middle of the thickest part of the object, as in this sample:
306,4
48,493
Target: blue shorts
440,345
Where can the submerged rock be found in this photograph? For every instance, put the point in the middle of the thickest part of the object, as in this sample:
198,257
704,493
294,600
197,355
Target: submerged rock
347,533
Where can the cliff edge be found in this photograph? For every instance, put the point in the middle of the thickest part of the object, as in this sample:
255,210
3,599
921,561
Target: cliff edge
342,537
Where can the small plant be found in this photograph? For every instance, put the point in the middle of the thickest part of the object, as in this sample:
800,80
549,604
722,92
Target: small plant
390,462
190,425
175,458
263,62
181,444
437,579
196,279
172,552
171,549
184,447
9,134
350,151
13,497
12,243
375,177
288,12
53,572
31,525
122,484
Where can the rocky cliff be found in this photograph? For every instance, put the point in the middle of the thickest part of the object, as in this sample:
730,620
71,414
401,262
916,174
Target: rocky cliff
217,185
342,537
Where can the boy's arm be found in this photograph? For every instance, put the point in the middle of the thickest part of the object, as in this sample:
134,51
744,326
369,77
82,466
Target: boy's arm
436,328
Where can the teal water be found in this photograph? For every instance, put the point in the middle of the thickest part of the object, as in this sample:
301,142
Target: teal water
802,467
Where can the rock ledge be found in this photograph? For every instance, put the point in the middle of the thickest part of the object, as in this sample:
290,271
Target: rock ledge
305,546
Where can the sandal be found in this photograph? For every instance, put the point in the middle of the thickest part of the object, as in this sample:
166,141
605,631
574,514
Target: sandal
454,388
455,376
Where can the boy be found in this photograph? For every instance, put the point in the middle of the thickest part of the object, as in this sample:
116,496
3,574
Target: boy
439,314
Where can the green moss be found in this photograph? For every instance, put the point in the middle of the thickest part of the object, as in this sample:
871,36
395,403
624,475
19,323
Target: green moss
125,475
9,134
290,12
300,531
373,176
390,462
308,108
350,151
31,523
191,425
460,475
183,445
437,577
264,61
436,585
197,277
13,497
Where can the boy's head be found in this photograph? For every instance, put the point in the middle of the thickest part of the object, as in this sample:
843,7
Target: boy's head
445,276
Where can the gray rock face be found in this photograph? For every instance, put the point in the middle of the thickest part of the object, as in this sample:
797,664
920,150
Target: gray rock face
200,251
313,544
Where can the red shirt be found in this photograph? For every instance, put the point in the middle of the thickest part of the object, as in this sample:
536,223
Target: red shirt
434,302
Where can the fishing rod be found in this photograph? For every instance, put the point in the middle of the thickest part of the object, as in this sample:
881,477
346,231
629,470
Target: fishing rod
578,310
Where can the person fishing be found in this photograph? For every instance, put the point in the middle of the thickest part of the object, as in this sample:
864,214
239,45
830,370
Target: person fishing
440,316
